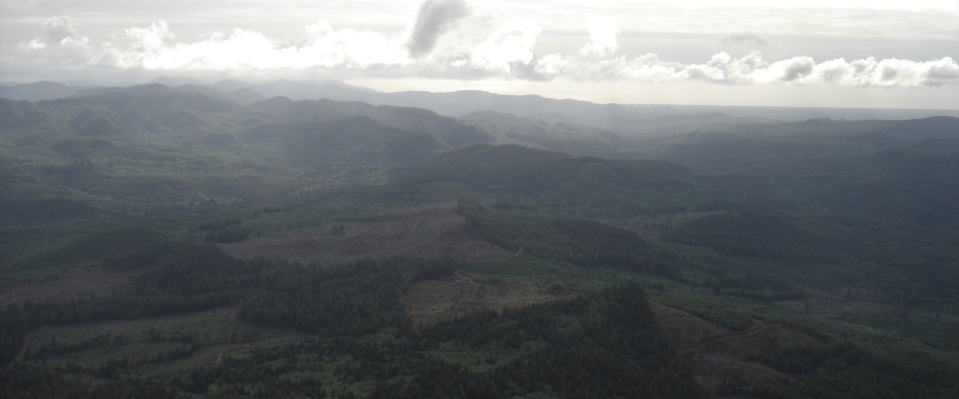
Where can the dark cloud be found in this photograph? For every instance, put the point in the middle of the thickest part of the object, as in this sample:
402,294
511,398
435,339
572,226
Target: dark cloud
432,19
797,68
528,70
745,38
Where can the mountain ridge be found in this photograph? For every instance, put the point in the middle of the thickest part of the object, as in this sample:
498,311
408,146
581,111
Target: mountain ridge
458,103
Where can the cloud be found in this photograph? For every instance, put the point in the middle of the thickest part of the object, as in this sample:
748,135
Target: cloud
603,32
890,72
508,48
752,69
57,29
432,20
745,39
593,61
321,47
501,49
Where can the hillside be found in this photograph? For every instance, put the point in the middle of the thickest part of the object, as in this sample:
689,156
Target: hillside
344,143
133,150
444,129
556,182
173,242
902,170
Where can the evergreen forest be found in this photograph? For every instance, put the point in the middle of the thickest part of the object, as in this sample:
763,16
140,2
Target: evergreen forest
172,242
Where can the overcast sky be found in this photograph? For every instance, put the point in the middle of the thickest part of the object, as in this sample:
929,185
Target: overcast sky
797,53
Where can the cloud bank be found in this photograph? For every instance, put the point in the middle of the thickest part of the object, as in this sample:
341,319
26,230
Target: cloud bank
431,47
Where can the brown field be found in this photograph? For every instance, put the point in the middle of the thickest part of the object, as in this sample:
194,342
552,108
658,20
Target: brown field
433,301
429,231
716,353
75,283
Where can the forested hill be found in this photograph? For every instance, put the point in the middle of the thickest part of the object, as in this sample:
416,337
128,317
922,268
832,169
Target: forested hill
542,178
937,127
159,109
151,148
126,113
902,170
345,143
518,168
447,130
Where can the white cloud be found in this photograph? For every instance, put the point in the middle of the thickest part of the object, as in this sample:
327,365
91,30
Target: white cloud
36,44
506,50
322,47
511,44
602,43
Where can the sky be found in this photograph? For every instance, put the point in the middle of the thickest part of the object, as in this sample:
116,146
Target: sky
838,53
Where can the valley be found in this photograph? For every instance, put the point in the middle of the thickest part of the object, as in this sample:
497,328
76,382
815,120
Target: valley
225,241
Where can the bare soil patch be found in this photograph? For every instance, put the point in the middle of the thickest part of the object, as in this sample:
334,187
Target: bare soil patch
716,353
430,302
77,282
430,231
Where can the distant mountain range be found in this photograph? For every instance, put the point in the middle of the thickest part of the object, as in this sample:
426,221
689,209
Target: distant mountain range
39,91
608,116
